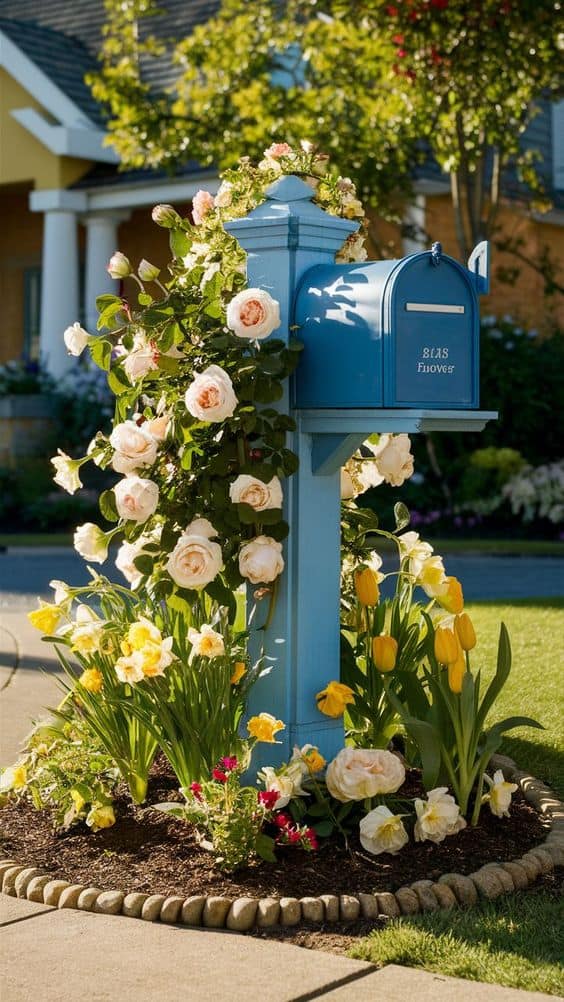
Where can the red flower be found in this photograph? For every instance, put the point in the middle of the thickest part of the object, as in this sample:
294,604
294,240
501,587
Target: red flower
268,798
401,53
293,835
398,39
196,790
229,762
219,775
311,837
282,820
439,4
392,11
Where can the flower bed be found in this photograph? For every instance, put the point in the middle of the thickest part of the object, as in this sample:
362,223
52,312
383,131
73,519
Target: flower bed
162,874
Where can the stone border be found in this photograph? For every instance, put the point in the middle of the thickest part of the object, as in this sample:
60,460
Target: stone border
452,890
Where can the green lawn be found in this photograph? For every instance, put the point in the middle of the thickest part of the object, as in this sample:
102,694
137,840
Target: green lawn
518,940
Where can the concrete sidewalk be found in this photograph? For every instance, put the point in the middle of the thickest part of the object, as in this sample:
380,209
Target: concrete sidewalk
57,955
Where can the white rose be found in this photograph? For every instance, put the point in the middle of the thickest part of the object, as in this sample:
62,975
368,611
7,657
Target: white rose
382,831
206,643
287,783
358,773
437,817
253,313
261,560
158,427
224,195
66,475
195,560
500,794
136,498
91,542
76,339
260,496
393,458
134,447
127,554
200,527
210,396
142,358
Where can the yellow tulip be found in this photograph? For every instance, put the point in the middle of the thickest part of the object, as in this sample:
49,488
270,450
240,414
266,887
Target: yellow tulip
366,586
239,669
452,599
465,631
264,727
332,700
384,652
92,680
456,672
446,646
46,618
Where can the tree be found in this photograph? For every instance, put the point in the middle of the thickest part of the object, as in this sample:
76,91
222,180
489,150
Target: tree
378,84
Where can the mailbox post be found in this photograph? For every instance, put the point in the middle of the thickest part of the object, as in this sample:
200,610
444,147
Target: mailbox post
344,392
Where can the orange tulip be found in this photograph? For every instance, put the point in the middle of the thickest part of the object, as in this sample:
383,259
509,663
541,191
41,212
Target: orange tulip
456,672
452,599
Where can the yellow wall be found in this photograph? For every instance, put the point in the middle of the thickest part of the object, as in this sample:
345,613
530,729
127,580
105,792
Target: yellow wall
22,157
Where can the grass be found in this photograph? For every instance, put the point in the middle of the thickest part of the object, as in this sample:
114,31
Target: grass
515,941
518,942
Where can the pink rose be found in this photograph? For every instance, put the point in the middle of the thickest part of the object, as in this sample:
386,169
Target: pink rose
201,205
253,314
210,396
278,150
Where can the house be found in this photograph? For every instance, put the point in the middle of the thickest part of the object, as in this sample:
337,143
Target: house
65,207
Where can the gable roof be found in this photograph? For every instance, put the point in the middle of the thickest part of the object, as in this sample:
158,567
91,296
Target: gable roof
63,59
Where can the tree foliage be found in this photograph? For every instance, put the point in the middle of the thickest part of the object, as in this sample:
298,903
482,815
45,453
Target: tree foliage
377,84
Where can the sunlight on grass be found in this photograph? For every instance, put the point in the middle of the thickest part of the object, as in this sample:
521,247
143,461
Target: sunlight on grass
517,942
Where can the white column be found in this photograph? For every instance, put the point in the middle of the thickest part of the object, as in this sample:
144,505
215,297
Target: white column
101,242
59,277
414,215
59,288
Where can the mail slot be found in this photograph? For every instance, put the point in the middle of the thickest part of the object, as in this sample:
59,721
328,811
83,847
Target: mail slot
391,333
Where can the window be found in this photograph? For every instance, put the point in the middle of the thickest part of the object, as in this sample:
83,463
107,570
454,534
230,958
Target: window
32,312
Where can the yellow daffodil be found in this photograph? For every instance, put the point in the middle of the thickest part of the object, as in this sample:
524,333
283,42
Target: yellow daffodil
332,700
13,778
78,800
452,598
239,669
384,652
100,816
264,727
92,680
465,631
366,586
45,618
313,759
141,633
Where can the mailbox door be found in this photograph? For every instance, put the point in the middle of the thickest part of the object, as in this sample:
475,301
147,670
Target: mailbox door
431,336
338,315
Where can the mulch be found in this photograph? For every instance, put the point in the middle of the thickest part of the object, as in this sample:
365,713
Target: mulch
150,852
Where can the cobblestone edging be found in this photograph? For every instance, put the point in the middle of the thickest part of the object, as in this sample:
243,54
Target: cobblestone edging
242,914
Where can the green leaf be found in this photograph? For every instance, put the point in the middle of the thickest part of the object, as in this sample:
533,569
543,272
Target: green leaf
167,807
144,563
118,381
264,847
108,299
323,828
101,352
401,515
247,514
107,505
144,299
179,242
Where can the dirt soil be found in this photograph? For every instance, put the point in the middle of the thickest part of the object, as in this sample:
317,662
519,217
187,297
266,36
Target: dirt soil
150,852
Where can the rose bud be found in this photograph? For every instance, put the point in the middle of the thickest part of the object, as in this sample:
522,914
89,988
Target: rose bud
148,272
165,215
119,266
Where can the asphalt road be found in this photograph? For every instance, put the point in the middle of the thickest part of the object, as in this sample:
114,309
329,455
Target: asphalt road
25,574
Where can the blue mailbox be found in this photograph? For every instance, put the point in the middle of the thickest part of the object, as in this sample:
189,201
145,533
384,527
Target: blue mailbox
399,334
